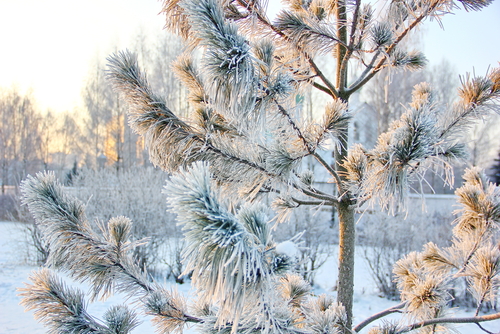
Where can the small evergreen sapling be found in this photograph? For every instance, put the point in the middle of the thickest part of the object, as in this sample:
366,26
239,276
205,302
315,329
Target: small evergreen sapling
251,143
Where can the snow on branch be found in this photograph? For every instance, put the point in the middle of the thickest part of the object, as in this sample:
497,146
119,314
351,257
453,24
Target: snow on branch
310,35
478,97
410,141
103,261
186,71
176,18
63,309
425,278
422,136
229,253
161,129
70,236
228,65
149,116
334,124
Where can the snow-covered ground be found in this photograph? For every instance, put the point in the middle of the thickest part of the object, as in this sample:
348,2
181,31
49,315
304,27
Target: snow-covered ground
13,318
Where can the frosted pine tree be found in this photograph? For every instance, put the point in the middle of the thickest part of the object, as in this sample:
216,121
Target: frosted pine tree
245,141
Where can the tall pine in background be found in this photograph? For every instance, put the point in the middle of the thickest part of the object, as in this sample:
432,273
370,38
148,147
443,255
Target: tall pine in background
246,140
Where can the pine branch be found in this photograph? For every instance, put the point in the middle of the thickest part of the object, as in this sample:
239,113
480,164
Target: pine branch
334,125
227,256
331,171
465,320
297,130
307,34
59,307
320,195
161,128
319,73
325,199
367,75
228,64
477,95
74,246
393,309
176,18
186,71
475,4
423,278
150,118
119,319
323,89
69,236
313,203
362,79
410,140
168,311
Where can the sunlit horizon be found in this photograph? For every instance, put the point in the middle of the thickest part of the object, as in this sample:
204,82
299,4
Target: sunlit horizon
52,44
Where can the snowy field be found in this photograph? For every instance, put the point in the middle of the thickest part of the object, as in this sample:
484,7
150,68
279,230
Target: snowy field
13,318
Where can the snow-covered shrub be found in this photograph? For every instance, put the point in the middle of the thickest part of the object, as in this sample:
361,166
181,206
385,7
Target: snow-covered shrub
386,239
33,250
137,194
315,237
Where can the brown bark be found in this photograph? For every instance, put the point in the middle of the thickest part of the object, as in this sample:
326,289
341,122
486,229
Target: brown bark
346,259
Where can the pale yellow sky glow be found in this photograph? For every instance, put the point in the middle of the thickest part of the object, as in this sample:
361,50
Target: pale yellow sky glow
49,45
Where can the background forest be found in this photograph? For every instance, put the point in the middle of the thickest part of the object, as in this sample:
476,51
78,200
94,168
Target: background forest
96,134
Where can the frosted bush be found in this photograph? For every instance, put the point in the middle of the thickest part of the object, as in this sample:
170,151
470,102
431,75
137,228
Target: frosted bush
137,194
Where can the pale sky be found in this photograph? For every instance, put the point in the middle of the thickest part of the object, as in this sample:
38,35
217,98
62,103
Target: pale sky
48,45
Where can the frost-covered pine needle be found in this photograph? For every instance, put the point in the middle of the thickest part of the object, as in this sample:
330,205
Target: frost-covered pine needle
104,261
63,309
227,252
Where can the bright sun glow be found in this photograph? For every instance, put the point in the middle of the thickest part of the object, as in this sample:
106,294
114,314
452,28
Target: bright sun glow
50,44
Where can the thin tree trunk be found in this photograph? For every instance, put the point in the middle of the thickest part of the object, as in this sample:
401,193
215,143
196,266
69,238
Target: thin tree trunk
347,233
347,237
346,259
345,285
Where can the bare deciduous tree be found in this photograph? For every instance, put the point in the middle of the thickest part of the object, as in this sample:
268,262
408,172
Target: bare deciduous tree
20,137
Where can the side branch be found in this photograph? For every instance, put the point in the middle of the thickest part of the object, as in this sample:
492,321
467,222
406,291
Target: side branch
235,158
363,80
332,91
324,199
466,320
363,77
376,316
323,89
330,170
285,113
319,195
301,202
